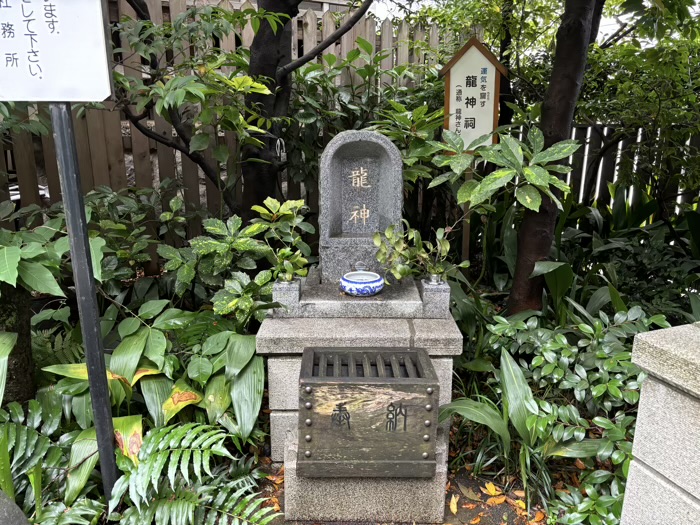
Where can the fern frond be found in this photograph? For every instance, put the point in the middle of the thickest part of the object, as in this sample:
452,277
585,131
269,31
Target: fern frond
179,450
83,512
230,504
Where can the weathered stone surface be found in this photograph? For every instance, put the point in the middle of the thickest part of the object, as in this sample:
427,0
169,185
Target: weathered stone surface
437,336
290,336
436,300
281,423
383,500
650,499
361,192
668,434
672,354
283,381
10,513
326,300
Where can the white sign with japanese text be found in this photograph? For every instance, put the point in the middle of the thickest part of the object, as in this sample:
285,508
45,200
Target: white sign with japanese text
53,51
472,95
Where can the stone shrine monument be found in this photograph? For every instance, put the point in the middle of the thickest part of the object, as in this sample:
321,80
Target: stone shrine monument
355,383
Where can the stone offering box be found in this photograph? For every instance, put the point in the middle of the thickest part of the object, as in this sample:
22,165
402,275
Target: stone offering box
361,476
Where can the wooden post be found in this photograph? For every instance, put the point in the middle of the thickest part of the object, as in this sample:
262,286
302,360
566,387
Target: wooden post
387,44
402,57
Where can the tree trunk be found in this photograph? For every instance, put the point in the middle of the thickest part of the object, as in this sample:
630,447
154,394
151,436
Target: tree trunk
268,52
536,232
15,316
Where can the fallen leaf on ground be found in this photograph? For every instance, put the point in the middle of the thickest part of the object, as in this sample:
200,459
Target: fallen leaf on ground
498,500
453,504
469,493
517,503
539,516
519,493
580,464
469,506
491,489
475,520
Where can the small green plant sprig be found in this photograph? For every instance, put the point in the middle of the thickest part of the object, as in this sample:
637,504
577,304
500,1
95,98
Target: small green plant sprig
525,165
405,253
282,224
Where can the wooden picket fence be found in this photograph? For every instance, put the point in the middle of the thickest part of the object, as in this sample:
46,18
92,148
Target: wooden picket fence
113,153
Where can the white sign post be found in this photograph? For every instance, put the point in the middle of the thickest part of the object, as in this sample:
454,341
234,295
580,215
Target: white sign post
472,87
472,92
53,50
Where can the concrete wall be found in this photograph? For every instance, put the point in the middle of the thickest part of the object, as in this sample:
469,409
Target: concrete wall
664,478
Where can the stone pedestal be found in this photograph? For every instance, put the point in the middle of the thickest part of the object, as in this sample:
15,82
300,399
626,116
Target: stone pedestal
316,314
664,478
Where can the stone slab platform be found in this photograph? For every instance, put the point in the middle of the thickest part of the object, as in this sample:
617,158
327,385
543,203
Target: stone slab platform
378,500
403,300
439,337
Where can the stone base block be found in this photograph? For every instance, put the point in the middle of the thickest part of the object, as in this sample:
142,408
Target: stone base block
650,499
668,435
379,500
281,423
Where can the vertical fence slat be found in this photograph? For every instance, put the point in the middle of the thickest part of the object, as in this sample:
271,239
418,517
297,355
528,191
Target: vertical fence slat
327,28
607,171
402,48
434,41
4,190
140,144
387,44
590,177
165,154
82,142
576,175
228,43
50,166
248,33
98,147
115,147
419,43
25,164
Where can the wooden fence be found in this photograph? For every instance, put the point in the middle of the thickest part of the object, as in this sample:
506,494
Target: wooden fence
113,153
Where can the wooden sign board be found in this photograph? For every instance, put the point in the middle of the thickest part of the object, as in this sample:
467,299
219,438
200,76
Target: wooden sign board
53,51
472,90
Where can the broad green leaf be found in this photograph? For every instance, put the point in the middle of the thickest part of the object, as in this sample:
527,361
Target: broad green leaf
143,370
513,151
587,448
155,391
97,245
240,349
128,326
7,343
217,397
490,184
6,484
537,175
38,278
83,459
517,395
199,369
440,179
464,194
246,395
560,150
460,163
9,260
151,309
529,197
200,142
453,140
616,299
128,433
182,395
479,413
543,267
126,356
536,139
155,347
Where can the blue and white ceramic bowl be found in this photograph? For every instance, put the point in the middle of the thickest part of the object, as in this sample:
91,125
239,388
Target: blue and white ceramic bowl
361,283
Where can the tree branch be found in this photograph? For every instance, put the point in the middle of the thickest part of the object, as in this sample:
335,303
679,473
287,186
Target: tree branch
141,8
283,71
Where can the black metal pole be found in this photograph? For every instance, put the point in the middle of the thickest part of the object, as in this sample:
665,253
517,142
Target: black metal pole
86,293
